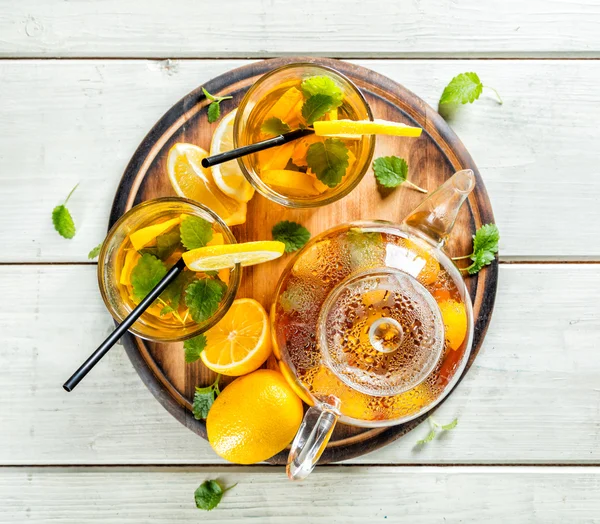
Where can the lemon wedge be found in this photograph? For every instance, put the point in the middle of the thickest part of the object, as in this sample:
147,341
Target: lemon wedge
352,128
292,182
143,237
213,258
228,176
190,180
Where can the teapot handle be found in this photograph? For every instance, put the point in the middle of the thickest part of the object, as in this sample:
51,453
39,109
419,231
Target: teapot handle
312,437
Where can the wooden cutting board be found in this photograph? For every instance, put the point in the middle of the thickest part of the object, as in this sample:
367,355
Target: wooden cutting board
432,158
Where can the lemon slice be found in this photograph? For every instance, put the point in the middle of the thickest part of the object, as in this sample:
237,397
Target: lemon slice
228,176
350,128
292,182
190,180
240,342
142,237
213,258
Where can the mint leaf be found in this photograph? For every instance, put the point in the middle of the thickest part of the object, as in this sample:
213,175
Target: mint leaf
166,310
62,219
214,112
204,399
292,234
430,436
95,251
203,296
165,245
195,232
193,347
274,126
328,160
322,85
451,425
485,247
214,108
391,171
316,107
209,494
174,292
148,272
463,88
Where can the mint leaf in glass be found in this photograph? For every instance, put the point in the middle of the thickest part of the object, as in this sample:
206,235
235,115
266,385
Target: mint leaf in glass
328,161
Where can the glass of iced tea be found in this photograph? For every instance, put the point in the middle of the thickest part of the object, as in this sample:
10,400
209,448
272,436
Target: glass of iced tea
142,246
300,173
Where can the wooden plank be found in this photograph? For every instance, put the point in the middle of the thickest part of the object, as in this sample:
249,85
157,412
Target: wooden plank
264,28
531,397
80,121
331,495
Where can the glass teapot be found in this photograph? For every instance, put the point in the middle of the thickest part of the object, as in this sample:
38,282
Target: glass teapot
372,322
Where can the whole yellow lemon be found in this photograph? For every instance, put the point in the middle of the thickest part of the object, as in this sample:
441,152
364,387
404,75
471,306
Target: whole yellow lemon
254,418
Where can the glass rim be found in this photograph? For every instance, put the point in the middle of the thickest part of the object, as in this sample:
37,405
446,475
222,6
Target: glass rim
232,287
264,189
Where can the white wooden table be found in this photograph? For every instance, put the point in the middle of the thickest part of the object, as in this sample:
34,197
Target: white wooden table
81,82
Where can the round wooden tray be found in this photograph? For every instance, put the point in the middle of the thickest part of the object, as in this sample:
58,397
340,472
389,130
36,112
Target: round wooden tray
432,158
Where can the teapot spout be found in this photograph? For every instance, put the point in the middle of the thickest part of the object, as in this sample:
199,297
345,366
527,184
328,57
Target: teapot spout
436,215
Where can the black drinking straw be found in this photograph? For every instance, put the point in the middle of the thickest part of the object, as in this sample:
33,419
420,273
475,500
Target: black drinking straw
278,140
113,338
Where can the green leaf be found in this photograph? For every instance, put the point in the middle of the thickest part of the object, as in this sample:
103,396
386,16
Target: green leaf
204,399
174,292
451,425
209,96
62,219
166,310
485,247
463,88
322,85
164,245
148,272
214,112
328,160
209,494
95,251
316,107
486,238
430,436
274,126
203,296
193,347
195,232
390,171
292,234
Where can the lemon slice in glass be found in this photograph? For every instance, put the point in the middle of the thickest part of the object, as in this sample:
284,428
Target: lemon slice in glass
190,180
213,258
353,128
228,176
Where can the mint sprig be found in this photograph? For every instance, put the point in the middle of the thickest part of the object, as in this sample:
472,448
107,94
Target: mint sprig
485,247
435,428
328,160
214,108
62,219
195,232
193,347
392,171
204,399
203,297
209,494
148,272
465,88
274,126
292,234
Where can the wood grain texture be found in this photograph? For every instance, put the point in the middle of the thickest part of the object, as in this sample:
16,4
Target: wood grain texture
433,158
532,395
80,121
264,28
341,495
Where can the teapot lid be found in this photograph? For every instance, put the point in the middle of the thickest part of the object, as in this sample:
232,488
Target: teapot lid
381,332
